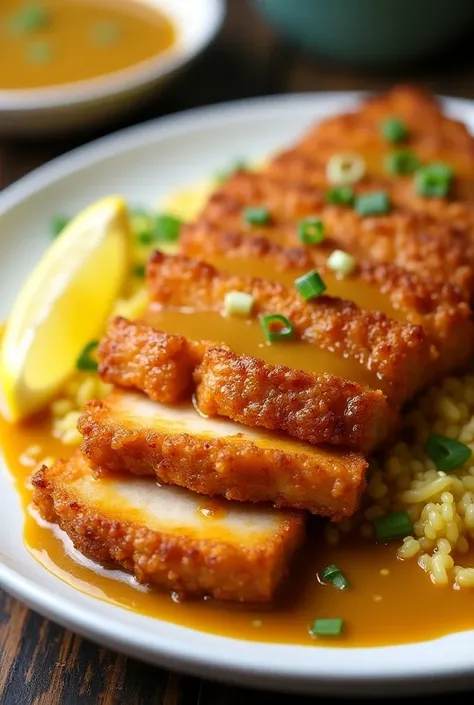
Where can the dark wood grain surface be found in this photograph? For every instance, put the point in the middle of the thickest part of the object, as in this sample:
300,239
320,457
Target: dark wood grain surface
40,662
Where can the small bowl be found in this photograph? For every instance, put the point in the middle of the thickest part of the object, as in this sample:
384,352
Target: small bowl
370,32
38,111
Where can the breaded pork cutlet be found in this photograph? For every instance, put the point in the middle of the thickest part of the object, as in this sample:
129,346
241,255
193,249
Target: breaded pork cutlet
441,309
430,134
162,534
129,433
360,346
318,408
418,242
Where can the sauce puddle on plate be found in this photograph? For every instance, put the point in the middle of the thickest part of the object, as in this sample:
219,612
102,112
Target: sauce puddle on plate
389,601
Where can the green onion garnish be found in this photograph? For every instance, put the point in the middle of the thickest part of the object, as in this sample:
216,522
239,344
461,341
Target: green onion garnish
341,263
345,169
222,176
446,453
310,285
39,52
434,180
340,196
311,231
29,18
257,216
58,223
374,203
394,130
395,525
140,271
327,627
145,237
402,162
238,303
276,327
167,228
333,575
85,362
105,33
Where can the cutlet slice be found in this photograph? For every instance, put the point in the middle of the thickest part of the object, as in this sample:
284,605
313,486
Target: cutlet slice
430,134
170,537
129,433
442,309
318,408
420,242
332,335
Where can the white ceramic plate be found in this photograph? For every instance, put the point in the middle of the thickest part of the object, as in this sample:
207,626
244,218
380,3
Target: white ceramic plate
43,110
145,163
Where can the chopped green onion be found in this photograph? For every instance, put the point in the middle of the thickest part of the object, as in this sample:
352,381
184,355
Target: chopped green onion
374,203
167,228
434,180
327,627
333,575
58,223
105,33
395,525
276,327
222,176
238,303
340,196
257,216
311,231
39,52
145,237
140,271
446,453
341,263
29,18
394,130
310,285
345,169
402,162
85,361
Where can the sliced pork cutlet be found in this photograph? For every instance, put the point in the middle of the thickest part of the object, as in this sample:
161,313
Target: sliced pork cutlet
295,166
431,135
128,433
169,537
419,242
329,335
442,309
318,408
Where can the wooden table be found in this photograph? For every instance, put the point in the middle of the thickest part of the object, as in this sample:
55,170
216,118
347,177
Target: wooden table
40,662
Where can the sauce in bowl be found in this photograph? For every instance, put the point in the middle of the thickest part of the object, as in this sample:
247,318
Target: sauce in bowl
58,42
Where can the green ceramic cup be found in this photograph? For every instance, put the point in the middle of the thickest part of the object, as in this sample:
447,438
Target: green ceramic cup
370,32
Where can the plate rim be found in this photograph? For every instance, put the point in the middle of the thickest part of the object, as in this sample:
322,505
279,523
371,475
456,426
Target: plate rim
405,673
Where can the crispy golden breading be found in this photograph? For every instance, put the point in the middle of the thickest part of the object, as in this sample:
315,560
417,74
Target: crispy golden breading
318,408
432,135
160,535
314,408
420,242
400,354
298,167
441,309
137,356
212,456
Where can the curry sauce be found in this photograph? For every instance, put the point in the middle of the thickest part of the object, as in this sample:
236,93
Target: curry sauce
58,42
374,608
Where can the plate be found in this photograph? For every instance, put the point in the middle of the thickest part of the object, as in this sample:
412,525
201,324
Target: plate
145,163
83,103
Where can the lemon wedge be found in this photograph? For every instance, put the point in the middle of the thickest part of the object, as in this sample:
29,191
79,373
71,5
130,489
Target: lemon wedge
63,305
